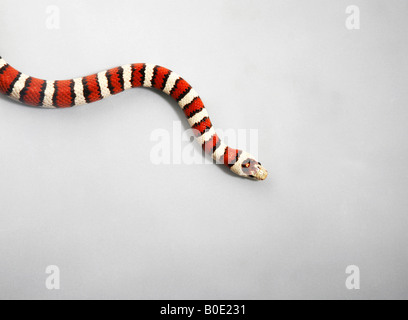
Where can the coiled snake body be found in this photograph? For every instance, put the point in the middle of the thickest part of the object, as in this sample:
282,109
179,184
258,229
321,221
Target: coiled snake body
68,93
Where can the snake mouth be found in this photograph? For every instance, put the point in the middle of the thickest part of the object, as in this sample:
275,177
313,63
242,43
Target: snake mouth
261,173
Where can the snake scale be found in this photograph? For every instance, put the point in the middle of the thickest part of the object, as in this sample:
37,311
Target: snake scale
68,93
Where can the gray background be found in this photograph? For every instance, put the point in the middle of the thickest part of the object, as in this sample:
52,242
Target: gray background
78,189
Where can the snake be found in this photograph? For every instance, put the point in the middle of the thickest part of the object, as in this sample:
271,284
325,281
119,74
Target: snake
50,94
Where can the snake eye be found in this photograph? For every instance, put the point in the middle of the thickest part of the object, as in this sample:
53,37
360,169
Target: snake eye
247,163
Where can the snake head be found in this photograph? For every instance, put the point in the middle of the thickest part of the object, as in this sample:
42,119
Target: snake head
248,167
253,169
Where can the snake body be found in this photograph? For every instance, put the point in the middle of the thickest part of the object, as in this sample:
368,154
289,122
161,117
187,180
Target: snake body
68,93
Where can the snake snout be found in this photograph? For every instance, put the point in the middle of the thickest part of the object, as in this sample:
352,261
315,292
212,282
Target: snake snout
261,173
